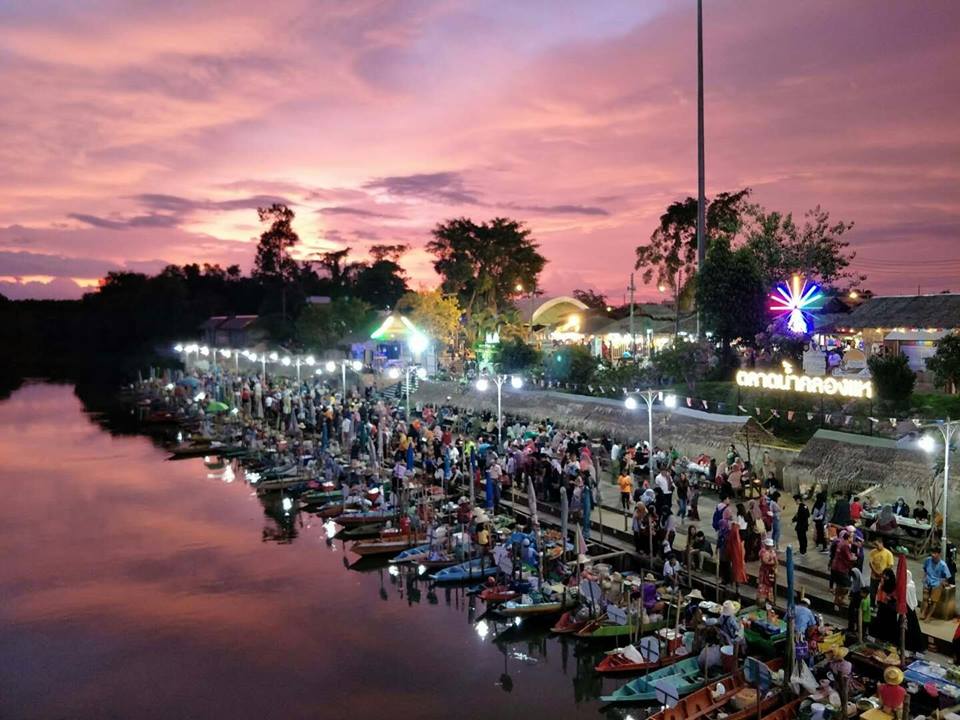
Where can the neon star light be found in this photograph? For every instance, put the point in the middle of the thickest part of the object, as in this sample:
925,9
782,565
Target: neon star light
795,300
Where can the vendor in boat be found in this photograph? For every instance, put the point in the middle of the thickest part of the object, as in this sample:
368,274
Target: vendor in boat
837,662
710,659
652,603
891,691
767,574
729,627
692,613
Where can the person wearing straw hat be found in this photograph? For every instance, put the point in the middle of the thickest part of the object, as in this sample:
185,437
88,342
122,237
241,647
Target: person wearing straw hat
731,631
891,691
767,574
692,614
838,663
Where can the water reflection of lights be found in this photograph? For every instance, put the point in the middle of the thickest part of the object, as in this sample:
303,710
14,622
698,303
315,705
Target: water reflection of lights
179,437
227,475
517,621
330,528
482,629
287,504
421,569
253,477
393,570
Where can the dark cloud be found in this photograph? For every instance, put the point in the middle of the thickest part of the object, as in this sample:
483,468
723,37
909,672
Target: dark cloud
447,188
182,205
151,220
359,212
19,263
56,289
562,209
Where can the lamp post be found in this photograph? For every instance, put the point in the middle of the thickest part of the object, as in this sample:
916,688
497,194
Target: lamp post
394,373
516,382
355,365
308,360
948,429
649,396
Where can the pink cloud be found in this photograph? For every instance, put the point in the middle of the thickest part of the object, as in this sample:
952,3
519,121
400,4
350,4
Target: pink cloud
378,120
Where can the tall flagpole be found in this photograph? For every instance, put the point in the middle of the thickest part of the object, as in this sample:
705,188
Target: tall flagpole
701,198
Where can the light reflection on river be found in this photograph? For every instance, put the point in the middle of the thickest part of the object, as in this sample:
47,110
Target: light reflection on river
134,587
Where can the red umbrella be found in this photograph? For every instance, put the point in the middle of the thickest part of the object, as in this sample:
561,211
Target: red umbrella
902,585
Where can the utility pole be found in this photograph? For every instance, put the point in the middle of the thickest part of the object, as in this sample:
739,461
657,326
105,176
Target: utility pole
701,198
633,340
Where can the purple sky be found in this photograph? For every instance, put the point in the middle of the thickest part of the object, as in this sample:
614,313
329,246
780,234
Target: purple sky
137,134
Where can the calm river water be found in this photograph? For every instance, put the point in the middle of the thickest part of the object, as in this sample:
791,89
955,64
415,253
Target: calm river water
135,587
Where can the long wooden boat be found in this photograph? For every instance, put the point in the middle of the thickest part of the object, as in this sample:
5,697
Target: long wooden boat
609,631
361,531
386,544
365,517
414,554
475,569
511,609
182,452
284,483
329,510
684,676
318,497
702,704
567,624
494,594
618,663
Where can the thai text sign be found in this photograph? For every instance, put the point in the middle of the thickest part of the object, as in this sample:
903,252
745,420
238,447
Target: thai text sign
845,387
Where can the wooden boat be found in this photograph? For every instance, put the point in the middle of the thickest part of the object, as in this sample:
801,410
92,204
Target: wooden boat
389,542
684,676
702,704
511,609
787,712
466,572
494,594
318,497
284,483
192,450
627,663
365,517
608,631
567,624
414,554
360,531
328,510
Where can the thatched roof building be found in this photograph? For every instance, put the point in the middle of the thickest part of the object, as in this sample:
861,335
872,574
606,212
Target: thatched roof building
910,312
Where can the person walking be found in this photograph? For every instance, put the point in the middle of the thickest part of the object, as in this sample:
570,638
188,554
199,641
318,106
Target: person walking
819,517
625,482
936,573
801,521
844,560
775,513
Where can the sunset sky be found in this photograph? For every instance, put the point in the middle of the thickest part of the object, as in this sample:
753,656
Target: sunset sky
136,134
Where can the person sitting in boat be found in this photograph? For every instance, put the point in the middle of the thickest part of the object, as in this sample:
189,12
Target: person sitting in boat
710,658
729,627
652,603
692,613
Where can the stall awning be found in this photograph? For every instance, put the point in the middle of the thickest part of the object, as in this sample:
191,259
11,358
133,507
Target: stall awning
930,335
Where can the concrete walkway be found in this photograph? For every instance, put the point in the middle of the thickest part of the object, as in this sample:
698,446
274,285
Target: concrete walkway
811,572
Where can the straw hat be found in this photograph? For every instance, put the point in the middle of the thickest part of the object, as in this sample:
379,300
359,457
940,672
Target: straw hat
695,595
768,542
728,609
805,600
649,577
893,675
839,652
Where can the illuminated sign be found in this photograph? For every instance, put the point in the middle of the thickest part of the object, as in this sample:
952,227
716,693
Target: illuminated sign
845,387
795,301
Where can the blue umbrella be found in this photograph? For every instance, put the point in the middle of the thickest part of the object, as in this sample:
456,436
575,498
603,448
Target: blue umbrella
410,456
564,518
489,490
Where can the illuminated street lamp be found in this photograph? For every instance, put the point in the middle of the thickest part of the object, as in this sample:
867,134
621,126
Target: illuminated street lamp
947,429
394,374
354,365
516,382
649,396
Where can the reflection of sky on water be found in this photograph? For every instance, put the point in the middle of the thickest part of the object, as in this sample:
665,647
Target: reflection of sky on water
137,587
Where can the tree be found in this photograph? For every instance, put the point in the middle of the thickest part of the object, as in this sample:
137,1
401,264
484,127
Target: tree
817,250
682,361
382,283
273,264
516,356
483,264
592,299
945,363
571,363
436,314
672,249
893,377
731,294
322,326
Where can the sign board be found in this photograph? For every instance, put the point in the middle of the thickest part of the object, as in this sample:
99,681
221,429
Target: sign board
617,615
844,387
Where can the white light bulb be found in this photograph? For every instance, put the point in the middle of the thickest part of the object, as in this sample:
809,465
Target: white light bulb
422,373
482,384
927,443
670,401
356,365
516,382
393,373
630,403
331,366
309,360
